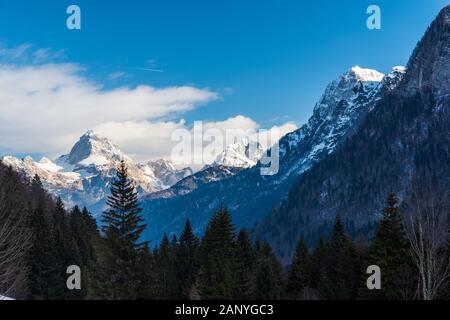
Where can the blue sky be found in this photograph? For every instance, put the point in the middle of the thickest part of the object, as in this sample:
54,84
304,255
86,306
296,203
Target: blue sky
268,60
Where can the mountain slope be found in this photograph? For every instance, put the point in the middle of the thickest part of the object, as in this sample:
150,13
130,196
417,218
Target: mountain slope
406,135
236,157
250,196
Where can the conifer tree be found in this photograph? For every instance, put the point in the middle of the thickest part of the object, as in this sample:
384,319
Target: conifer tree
268,282
146,289
318,262
245,256
46,261
217,279
187,262
83,238
89,221
390,251
38,194
339,279
47,258
166,286
298,279
47,240
122,227
123,221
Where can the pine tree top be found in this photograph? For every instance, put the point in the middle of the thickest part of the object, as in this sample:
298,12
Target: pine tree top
123,219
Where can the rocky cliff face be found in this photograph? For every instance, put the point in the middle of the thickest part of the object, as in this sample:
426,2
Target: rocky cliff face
403,138
429,66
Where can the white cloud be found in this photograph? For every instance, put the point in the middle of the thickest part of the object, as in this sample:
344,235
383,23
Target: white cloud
27,53
14,53
44,108
46,54
144,140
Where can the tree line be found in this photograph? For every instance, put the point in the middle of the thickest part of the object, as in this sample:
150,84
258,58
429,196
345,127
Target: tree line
39,239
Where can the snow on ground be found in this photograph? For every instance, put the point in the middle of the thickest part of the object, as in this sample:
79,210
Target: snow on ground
3,298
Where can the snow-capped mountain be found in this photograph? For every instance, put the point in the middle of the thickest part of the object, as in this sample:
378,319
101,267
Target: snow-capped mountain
243,154
400,146
209,174
236,157
165,171
83,176
336,113
250,196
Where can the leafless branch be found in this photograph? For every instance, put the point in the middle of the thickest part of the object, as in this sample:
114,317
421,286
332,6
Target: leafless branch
426,228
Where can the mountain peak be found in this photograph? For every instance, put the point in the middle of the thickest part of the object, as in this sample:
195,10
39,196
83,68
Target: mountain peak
444,15
429,64
90,134
366,75
92,147
243,154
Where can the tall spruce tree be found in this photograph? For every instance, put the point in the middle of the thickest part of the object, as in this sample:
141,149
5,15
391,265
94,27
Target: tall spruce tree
217,278
390,251
268,279
122,227
123,220
146,288
318,262
166,286
47,258
339,279
245,256
187,262
82,241
299,274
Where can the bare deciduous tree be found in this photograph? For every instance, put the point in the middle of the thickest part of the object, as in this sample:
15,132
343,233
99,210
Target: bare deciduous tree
15,239
427,231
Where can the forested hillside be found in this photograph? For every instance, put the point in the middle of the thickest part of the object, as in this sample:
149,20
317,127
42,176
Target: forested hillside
403,141
39,239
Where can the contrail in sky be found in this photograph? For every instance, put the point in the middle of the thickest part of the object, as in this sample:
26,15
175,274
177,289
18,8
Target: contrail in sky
149,69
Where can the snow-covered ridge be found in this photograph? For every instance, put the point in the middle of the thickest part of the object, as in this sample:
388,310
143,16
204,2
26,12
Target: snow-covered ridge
366,75
165,171
243,154
83,176
343,103
336,112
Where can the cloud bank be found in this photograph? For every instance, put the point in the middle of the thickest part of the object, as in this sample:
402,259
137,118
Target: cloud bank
45,107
